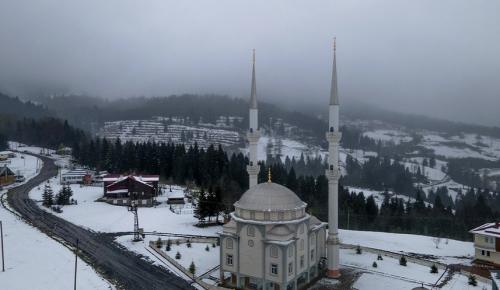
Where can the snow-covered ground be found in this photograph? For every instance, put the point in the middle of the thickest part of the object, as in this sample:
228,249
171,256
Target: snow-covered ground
35,261
451,252
104,217
203,260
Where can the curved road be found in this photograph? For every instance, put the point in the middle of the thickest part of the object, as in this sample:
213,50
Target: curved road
123,268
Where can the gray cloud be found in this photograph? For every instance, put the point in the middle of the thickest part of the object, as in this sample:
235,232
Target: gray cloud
424,56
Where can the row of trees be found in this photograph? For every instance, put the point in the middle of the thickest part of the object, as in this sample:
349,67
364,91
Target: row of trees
63,197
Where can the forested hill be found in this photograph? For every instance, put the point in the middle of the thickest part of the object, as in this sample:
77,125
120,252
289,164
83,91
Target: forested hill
81,111
15,108
32,124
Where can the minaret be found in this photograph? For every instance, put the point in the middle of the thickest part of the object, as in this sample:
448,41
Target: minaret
333,174
253,134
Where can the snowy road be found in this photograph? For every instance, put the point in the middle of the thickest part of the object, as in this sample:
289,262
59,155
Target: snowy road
122,267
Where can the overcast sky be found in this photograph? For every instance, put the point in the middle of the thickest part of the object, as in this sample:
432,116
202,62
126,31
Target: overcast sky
434,57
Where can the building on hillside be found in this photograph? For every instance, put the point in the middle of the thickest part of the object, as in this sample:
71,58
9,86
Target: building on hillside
7,176
77,176
119,189
270,241
487,243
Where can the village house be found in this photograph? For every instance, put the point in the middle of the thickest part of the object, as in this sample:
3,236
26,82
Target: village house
77,176
119,189
487,243
7,176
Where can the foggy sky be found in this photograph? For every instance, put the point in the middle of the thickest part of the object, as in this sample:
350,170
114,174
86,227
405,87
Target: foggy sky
434,57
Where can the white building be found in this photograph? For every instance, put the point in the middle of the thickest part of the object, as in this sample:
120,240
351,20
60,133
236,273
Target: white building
487,243
271,242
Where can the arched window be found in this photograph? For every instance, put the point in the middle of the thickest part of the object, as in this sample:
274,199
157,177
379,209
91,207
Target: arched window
229,243
274,251
290,251
250,231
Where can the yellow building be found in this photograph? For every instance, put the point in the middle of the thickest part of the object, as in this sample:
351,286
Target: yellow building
487,243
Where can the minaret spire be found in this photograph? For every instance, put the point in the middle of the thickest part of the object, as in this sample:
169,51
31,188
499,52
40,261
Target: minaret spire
334,96
253,94
253,134
333,174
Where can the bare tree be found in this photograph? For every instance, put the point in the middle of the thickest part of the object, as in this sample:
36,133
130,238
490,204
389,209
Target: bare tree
436,241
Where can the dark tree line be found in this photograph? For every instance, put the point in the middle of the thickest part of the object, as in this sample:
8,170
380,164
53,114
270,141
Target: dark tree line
380,173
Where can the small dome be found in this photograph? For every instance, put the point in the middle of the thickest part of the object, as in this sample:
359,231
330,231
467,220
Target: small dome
269,196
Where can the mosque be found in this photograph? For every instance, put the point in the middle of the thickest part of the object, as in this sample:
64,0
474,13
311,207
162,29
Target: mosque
271,242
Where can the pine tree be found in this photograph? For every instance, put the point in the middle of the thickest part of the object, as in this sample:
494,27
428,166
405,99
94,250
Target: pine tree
48,196
188,243
192,268
358,250
374,265
207,248
472,280
178,256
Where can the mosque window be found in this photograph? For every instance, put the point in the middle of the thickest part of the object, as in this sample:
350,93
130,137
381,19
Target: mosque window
274,251
302,261
229,243
250,231
252,215
281,215
312,255
290,251
267,216
290,268
301,228
229,260
274,269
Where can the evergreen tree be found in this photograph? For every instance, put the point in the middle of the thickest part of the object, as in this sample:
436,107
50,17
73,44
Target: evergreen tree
402,261
47,196
192,268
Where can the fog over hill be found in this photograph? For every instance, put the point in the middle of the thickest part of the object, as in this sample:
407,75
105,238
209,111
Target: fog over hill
437,58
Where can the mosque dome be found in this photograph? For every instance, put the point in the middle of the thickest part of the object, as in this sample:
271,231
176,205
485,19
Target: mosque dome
270,201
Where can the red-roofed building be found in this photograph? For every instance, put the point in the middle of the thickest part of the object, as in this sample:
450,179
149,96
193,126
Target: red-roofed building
487,242
118,189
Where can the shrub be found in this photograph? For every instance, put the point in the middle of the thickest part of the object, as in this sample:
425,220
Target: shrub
379,257
374,265
178,256
213,245
358,250
158,243
188,244
177,242
402,261
434,269
472,280
207,248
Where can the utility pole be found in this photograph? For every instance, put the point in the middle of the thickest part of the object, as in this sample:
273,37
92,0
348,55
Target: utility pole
3,254
132,207
76,262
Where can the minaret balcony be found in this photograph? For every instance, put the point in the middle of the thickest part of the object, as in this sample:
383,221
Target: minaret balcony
253,169
253,137
332,174
333,137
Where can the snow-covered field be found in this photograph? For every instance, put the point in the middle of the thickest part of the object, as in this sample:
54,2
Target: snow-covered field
203,260
104,217
450,252
35,261
395,136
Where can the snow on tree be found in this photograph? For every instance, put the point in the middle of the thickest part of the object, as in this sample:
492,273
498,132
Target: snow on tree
472,280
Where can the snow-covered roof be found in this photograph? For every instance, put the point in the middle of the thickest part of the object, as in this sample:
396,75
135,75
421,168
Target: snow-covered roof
144,178
489,229
269,196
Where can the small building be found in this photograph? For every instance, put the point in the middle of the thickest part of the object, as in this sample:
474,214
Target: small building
119,189
7,176
176,196
487,243
77,176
